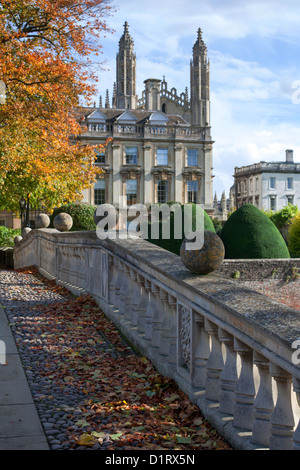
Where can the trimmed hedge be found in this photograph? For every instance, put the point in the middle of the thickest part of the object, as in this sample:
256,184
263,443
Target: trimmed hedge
173,244
250,234
7,236
81,213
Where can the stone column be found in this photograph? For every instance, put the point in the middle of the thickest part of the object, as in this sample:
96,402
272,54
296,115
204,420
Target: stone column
178,178
147,198
116,180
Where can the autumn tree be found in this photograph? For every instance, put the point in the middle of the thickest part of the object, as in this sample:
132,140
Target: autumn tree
49,59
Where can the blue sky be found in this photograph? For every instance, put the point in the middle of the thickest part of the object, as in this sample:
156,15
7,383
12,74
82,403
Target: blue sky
254,51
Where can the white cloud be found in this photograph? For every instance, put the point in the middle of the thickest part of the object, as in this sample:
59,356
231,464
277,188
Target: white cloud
253,114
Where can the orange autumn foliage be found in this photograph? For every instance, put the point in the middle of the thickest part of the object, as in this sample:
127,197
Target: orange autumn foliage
47,62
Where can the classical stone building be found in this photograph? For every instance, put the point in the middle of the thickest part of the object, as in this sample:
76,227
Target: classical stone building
268,185
161,148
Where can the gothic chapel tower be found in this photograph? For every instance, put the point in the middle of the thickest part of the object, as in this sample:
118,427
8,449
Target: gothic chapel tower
200,104
126,97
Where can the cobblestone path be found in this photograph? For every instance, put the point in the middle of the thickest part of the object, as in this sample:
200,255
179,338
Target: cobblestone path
91,390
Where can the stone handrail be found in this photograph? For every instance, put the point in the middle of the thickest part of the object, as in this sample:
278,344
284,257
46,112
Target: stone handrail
229,348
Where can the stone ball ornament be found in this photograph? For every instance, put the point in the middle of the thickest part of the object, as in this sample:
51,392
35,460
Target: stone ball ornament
42,221
25,231
63,222
205,259
18,239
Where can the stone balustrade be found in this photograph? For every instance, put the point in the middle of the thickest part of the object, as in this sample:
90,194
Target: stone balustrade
230,349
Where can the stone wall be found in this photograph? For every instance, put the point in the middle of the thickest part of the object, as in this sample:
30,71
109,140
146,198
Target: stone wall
256,269
231,349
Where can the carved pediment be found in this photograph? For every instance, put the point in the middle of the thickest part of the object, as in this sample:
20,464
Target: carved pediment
127,118
96,116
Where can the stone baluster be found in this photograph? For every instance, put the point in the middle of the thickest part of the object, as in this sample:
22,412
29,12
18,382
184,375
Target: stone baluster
215,363
229,374
150,312
118,284
142,305
296,383
132,296
263,403
282,419
168,328
172,306
113,276
200,351
124,290
157,317
165,325
245,389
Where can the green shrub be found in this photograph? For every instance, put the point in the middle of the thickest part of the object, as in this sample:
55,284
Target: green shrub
81,213
7,236
173,244
294,237
249,233
284,216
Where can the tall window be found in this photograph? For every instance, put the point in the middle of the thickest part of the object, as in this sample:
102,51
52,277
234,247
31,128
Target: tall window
192,187
273,203
162,156
99,192
289,183
272,182
192,157
162,191
290,200
100,156
131,192
131,155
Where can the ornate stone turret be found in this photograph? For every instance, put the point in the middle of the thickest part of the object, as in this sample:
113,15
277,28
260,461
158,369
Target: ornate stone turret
200,87
152,94
126,97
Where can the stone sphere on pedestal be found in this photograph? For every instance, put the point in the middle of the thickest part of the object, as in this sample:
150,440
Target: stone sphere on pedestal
42,221
17,239
25,231
207,258
63,222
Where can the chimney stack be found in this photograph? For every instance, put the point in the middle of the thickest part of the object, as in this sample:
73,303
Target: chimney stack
289,158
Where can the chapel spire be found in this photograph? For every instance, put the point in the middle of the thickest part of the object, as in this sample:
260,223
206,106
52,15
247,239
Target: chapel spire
200,83
126,72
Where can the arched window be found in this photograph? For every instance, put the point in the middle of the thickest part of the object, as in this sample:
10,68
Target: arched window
164,108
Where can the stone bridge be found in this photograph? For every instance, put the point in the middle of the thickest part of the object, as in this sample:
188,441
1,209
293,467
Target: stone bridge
233,350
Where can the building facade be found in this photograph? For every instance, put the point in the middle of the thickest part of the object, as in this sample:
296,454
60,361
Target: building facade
268,185
161,147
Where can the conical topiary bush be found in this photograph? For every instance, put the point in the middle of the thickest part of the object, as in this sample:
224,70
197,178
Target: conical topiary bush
250,234
173,244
